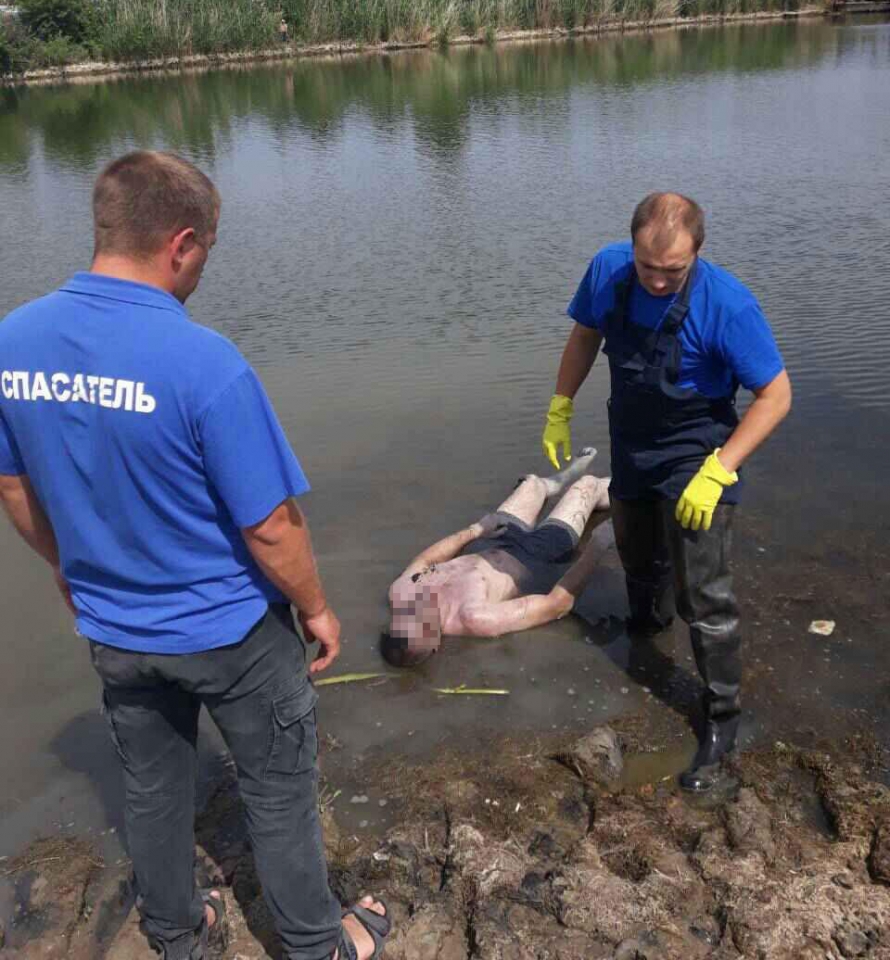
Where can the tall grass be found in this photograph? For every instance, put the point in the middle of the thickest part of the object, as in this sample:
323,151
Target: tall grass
141,29
152,28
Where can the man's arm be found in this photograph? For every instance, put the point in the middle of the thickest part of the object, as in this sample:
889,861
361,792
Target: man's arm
577,358
21,505
445,549
511,616
770,407
282,548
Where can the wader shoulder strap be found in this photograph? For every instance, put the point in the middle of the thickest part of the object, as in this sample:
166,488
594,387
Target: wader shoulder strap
679,309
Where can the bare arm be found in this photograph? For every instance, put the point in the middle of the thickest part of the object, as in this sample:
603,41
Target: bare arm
282,548
577,359
770,407
21,505
27,516
446,549
511,616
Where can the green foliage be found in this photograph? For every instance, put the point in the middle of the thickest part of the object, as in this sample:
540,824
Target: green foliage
57,32
6,51
75,20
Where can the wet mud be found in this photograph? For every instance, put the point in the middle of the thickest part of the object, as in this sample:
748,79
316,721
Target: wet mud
533,849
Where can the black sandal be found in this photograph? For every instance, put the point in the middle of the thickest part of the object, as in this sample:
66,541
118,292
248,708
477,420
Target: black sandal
377,925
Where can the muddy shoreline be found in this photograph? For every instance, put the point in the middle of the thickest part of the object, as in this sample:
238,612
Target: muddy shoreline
97,71
493,846
517,852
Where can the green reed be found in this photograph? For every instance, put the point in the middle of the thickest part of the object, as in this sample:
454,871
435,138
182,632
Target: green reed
143,29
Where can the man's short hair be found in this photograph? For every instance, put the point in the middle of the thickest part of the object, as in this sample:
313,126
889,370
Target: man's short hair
143,198
669,213
401,652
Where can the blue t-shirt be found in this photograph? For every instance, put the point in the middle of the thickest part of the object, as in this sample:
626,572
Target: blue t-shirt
150,443
725,339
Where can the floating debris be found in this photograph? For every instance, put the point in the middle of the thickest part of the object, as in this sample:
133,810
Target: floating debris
824,628
471,691
350,678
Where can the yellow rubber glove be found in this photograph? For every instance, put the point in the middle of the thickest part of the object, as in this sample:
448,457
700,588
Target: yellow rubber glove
557,430
696,507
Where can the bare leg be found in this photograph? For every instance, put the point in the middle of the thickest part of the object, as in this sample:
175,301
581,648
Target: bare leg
583,497
574,471
526,501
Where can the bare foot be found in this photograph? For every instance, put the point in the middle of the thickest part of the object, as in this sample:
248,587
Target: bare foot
565,478
209,912
364,942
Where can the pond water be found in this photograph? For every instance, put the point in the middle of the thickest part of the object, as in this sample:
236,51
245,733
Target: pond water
399,238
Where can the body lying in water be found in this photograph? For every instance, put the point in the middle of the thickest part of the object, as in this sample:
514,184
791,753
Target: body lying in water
477,582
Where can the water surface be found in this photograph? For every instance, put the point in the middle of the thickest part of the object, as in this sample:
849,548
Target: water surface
399,238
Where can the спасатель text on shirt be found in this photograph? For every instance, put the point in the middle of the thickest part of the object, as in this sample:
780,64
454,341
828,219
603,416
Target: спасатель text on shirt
111,392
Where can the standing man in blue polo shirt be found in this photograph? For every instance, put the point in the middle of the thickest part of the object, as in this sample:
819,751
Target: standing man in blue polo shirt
140,457
681,335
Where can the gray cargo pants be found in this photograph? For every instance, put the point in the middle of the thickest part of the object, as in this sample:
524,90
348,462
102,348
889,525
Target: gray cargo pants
259,695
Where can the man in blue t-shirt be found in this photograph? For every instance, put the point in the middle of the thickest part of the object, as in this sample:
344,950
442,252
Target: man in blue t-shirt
681,335
141,458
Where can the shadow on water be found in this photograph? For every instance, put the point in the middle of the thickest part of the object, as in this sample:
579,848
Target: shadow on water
198,114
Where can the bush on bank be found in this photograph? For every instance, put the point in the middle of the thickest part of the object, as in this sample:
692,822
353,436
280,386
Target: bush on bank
58,32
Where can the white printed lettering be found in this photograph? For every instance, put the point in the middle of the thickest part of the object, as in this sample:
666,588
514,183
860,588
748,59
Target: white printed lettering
20,379
106,389
123,394
40,388
61,383
92,383
79,388
145,402
79,394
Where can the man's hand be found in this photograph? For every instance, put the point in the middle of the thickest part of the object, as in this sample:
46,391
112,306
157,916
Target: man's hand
491,525
64,589
696,507
557,431
325,628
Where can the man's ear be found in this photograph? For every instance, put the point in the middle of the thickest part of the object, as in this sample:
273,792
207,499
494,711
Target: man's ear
181,245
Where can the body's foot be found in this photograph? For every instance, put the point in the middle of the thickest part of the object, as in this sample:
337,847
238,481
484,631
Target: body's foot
359,932
210,911
574,471
706,769
215,913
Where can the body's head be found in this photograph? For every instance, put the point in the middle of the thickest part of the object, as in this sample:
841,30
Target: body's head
415,628
155,220
668,230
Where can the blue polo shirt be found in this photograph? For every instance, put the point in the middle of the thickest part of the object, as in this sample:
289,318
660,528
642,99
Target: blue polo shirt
150,443
725,340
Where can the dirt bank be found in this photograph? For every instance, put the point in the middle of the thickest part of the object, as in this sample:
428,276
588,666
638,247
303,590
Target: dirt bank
96,70
511,854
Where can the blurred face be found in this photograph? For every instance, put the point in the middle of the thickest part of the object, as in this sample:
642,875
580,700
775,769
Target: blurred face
414,630
663,266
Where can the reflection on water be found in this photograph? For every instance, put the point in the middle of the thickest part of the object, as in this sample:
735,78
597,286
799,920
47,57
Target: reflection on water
399,238
197,113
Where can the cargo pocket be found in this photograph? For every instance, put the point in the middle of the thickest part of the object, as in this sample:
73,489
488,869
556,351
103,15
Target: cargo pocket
294,736
115,736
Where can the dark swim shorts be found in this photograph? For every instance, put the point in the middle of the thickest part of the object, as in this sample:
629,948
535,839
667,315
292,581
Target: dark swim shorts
542,550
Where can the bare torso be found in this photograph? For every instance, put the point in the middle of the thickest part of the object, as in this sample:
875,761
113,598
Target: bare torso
466,581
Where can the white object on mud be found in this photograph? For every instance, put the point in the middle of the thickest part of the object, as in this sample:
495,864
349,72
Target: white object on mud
824,628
